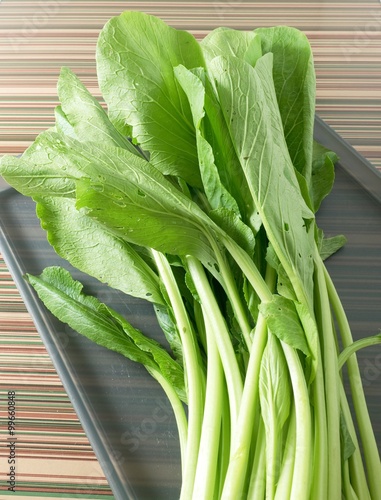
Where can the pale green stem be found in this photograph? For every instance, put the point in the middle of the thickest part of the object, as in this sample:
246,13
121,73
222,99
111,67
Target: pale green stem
232,293
257,486
225,440
347,487
331,381
206,472
179,412
284,485
237,470
225,347
272,456
193,372
319,487
301,483
357,472
236,474
356,346
372,457
249,269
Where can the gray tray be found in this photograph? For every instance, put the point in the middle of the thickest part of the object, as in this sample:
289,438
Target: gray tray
123,411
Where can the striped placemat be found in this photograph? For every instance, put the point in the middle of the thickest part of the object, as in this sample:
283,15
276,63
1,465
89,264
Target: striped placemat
54,456
52,453
38,38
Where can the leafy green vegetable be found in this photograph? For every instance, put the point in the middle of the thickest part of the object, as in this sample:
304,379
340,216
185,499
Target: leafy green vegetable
94,250
294,83
85,115
150,104
283,321
65,298
323,174
196,189
249,92
245,45
275,398
217,194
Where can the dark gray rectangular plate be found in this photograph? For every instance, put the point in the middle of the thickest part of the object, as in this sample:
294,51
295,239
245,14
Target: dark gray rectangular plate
123,411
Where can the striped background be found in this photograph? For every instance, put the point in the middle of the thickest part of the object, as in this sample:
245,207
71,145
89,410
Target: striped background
36,39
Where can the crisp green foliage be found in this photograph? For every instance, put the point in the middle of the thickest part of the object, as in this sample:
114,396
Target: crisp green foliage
250,109
283,321
275,397
138,203
329,246
150,103
85,115
294,82
323,174
196,189
93,249
64,297
217,194
245,45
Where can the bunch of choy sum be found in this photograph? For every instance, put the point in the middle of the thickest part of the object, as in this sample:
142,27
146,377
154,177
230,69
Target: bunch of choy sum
197,191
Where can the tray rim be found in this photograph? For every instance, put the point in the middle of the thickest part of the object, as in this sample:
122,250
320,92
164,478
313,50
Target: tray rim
91,426
358,167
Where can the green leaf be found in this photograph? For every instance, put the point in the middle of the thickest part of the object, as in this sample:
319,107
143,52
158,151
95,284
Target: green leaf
329,246
89,247
275,387
257,133
45,168
245,45
146,224
63,296
323,174
347,445
216,193
294,82
275,395
251,298
168,326
63,126
48,167
284,285
312,338
225,211
232,224
83,112
171,370
135,201
227,185
283,321
136,54
217,133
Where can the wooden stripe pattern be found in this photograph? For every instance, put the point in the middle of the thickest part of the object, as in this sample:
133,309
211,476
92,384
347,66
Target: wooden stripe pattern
36,39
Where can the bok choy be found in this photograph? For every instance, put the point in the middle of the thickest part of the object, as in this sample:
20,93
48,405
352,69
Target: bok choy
196,189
